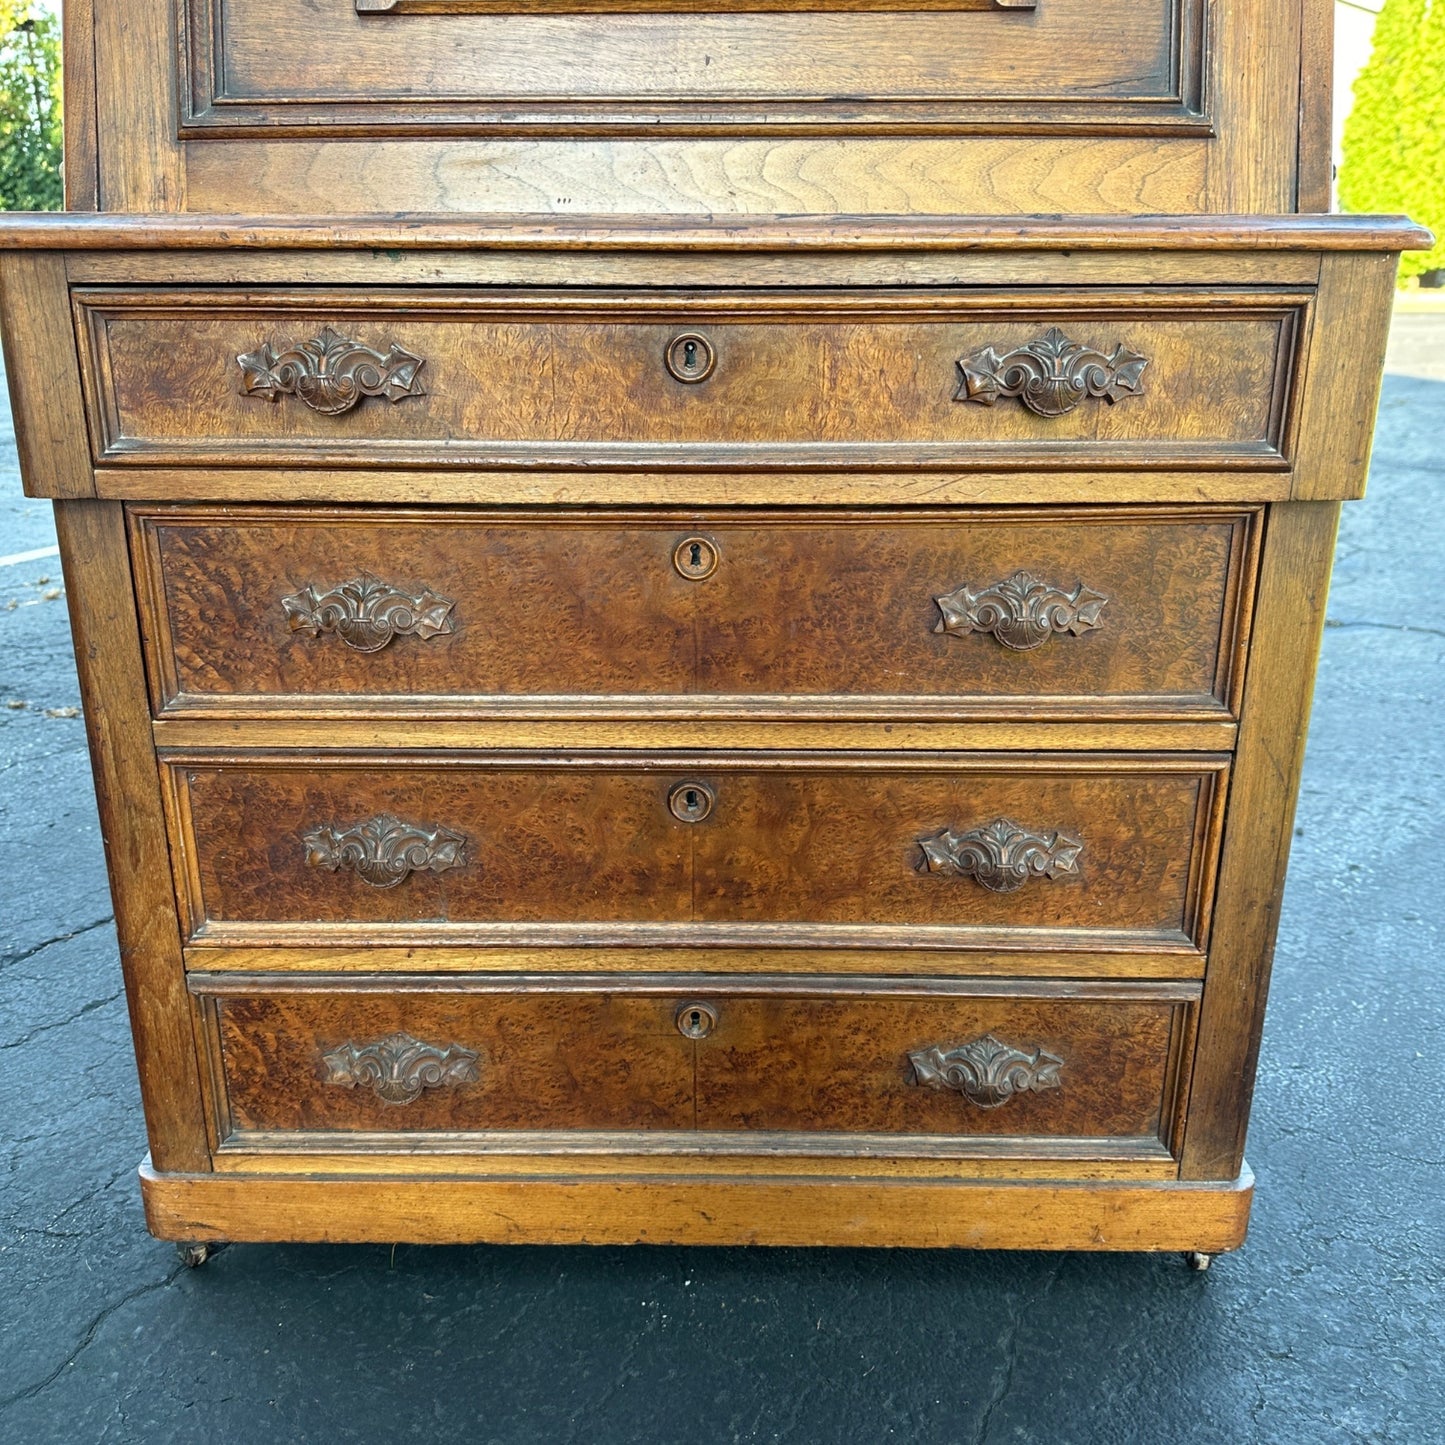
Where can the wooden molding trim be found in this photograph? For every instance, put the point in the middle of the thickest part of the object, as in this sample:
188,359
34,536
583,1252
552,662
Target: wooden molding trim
713,1209
111,232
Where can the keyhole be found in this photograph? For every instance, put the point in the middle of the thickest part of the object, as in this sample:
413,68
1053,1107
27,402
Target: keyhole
691,802
690,357
696,1020
695,558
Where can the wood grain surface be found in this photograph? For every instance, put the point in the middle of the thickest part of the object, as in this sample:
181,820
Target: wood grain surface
796,850
533,379
825,613
556,1060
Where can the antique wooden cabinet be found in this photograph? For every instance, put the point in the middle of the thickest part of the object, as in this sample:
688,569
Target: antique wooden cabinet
621,713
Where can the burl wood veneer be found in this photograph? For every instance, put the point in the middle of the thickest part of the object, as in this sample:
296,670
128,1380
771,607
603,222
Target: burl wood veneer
696,618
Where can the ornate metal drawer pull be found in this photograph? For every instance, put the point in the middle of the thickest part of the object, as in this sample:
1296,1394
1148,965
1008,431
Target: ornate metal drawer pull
1021,612
397,1068
330,373
1051,375
987,1071
367,613
384,851
1002,855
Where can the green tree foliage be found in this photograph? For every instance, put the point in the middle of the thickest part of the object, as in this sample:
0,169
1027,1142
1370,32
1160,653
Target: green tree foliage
29,108
1394,142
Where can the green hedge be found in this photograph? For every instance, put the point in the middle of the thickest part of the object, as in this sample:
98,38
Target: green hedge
29,108
1394,146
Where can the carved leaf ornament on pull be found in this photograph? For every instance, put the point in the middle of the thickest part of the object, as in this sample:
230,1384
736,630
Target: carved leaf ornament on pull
987,1071
1002,855
397,1068
367,613
330,373
1021,612
384,851
1050,375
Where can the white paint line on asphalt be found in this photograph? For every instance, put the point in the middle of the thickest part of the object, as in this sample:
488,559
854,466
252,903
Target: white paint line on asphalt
16,558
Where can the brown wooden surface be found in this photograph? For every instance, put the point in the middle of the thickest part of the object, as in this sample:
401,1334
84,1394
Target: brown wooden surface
267,67
107,654
827,379
796,850
567,1061
899,1212
1294,588
40,370
1316,102
142,167
1344,375
832,614
81,141
450,963
743,729
528,231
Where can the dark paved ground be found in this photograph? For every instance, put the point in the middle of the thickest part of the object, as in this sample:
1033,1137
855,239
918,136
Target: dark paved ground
1327,1327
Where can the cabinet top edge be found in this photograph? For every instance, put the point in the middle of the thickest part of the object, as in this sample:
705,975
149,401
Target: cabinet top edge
113,231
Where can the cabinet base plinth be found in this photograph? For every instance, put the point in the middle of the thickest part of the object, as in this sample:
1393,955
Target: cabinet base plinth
715,1209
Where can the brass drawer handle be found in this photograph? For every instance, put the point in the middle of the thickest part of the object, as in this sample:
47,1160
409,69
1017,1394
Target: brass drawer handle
383,851
1002,855
690,802
330,373
696,1020
1051,375
1021,612
397,1068
690,357
367,613
986,1071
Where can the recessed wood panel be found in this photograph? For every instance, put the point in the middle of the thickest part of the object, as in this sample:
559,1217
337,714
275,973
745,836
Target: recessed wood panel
1153,380
551,1062
823,613
691,66
810,850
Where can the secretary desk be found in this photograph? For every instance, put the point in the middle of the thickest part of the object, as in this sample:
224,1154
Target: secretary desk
696,617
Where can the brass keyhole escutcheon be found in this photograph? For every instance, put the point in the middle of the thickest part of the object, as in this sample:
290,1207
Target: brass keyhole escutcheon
691,802
690,357
695,558
696,1020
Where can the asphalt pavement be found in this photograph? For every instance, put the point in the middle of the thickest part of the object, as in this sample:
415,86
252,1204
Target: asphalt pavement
1326,1327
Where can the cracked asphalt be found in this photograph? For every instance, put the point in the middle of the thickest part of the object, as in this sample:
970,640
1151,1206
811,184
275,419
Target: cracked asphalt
1326,1327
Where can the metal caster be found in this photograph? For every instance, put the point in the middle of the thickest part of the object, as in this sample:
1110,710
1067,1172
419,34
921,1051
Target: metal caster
1197,1260
193,1256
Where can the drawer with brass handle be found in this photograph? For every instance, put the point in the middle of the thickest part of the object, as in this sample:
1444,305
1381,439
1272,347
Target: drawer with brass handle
527,1064
1154,379
764,850
1125,612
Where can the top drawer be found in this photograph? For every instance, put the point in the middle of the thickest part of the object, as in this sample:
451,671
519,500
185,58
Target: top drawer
956,378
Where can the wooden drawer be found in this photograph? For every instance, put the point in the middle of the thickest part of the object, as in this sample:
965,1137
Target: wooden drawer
1123,612
951,378
379,68
679,1060
942,850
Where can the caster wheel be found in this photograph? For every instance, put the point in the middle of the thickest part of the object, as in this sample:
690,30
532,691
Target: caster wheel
193,1256
1198,1261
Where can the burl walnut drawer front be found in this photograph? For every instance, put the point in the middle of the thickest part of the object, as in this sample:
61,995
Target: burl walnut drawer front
1053,612
954,1062
1157,379
948,850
